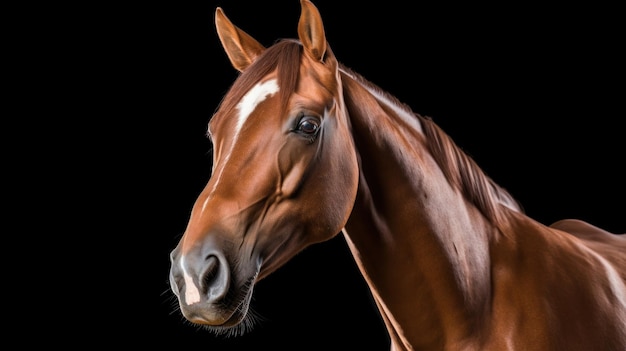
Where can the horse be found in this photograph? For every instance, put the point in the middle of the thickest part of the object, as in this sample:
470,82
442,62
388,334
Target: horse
305,149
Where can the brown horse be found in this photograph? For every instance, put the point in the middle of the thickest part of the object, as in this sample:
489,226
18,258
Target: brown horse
305,148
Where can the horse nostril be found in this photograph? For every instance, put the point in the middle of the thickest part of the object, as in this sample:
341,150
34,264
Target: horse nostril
210,273
215,277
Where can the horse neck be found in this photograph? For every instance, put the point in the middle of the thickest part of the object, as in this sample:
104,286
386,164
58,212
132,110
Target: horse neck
421,248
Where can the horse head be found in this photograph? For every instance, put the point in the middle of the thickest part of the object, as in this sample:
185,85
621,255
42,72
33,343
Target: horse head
280,130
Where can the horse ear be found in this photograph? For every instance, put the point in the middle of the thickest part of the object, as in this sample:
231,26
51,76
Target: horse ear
311,30
241,48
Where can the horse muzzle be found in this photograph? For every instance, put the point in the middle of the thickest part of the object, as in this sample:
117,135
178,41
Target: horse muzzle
203,282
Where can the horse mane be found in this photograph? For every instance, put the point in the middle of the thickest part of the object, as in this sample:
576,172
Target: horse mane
463,173
458,167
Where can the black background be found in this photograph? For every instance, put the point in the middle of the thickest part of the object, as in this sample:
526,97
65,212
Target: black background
533,93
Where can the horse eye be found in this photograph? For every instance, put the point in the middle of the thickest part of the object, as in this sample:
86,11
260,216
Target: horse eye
308,125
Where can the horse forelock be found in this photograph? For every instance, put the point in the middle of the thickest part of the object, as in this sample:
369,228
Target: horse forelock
282,57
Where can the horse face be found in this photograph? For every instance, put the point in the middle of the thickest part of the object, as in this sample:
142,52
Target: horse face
284,177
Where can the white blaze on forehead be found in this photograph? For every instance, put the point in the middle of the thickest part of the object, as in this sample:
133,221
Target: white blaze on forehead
249,102
192,294
246,106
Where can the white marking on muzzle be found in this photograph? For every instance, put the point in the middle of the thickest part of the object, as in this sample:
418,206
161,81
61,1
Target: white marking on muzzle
192,294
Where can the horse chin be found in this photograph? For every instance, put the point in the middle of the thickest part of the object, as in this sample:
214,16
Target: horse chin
241,322
242,319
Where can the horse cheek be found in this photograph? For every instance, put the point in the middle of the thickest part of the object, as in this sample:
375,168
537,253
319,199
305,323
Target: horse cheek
340,179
